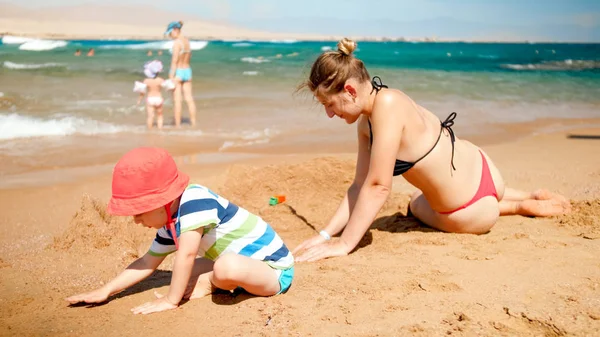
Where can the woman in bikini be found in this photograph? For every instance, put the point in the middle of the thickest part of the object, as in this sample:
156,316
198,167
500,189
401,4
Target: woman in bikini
181,72
460,190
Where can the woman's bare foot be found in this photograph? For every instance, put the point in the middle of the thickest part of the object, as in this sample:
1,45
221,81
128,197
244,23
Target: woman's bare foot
543,194
543,208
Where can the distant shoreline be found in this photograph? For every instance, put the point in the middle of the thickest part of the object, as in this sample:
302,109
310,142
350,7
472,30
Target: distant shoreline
276,38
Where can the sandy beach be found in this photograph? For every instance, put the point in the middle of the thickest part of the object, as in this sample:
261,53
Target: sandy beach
65,120
527,277
114,22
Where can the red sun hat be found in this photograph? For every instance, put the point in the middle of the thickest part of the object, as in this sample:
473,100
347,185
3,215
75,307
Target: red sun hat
145,179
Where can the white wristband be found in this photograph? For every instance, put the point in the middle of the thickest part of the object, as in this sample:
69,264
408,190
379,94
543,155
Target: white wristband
325,235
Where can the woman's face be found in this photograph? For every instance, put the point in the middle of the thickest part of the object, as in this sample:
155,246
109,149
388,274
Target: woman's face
174,33
342,104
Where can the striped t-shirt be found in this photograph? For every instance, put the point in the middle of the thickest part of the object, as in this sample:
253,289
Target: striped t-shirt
227,228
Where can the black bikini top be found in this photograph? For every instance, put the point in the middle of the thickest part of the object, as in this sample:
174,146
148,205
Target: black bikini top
401,166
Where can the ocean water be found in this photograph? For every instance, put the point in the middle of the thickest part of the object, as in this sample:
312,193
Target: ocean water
58,110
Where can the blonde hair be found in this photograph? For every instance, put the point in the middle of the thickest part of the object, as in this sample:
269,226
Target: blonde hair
332,69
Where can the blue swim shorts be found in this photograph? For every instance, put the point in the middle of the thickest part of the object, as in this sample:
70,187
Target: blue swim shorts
285,279
184,74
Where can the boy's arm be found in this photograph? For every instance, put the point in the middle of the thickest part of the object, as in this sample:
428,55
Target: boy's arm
134,273
189,243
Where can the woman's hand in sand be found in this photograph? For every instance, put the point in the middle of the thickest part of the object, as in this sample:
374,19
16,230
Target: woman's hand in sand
161,303
315,240
97,296
334,247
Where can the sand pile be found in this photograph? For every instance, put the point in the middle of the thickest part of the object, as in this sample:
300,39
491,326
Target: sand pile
584,219
92,229
313,191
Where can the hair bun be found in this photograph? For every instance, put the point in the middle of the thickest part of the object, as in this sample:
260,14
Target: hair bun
181,23
346,46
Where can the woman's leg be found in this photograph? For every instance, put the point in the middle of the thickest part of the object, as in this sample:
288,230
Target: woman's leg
539,194
189,100
533,207
540,202
177,102
478,218
481,216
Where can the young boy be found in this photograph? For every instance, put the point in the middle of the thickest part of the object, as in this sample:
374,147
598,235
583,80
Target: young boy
151,86
236,248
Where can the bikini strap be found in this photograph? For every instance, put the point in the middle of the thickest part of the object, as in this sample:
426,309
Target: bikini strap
377,84
447,124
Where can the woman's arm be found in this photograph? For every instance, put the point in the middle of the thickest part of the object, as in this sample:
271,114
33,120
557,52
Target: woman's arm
174,58
387,127
342,214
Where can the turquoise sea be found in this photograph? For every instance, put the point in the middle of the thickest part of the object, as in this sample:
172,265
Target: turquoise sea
58,110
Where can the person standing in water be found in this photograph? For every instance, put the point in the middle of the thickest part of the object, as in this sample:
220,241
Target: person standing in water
181,72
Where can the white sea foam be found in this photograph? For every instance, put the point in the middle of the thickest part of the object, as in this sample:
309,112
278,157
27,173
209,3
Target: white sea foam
242,44
557,65
29,66
15,39
43,45
13,126
242,143
254,60
163,45
249,138
286,41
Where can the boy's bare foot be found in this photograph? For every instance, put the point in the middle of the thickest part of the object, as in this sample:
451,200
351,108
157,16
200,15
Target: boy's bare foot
203,287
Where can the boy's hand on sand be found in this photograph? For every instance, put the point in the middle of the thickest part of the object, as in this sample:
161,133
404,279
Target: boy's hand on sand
161,303
332,248
96,296
315,240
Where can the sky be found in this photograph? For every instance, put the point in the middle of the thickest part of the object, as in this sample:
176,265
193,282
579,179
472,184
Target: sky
567,20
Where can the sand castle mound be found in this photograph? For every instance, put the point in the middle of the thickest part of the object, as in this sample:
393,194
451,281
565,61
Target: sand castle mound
313,191
92,229
585,218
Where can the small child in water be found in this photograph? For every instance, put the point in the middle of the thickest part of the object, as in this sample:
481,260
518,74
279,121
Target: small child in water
151,88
